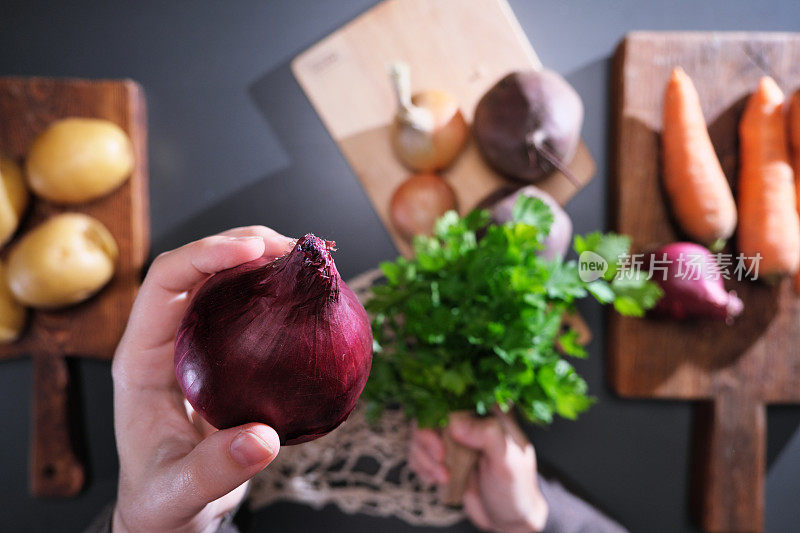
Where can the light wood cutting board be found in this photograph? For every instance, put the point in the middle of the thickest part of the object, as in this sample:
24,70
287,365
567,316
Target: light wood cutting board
461,46
735,371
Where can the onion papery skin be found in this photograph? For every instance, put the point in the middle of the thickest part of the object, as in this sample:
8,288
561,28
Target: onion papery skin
282,342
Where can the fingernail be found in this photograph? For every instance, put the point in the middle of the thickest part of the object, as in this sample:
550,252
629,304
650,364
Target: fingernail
249,449
246,238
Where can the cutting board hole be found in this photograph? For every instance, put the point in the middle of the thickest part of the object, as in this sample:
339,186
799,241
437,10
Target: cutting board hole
49,471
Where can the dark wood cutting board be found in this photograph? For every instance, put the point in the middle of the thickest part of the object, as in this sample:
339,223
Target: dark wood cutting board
93,328
735,371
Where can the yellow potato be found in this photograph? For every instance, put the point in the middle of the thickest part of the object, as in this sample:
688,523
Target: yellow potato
63,261
79,159
13,198
12,313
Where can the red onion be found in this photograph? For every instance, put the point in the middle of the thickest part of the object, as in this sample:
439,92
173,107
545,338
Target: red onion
282,342
692,283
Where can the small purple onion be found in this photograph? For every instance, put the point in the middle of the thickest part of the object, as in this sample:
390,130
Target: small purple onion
692,283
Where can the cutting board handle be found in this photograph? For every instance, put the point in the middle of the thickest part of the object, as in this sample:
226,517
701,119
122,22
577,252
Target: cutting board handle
734,463
55,470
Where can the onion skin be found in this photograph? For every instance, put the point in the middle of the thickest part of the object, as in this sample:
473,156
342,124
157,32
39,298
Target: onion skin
685,297
283,342
501,206
418,202
528,124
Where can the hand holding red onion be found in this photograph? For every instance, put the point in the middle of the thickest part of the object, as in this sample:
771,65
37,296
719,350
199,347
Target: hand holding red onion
282,342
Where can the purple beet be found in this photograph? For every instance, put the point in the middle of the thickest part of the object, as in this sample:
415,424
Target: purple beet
501,205
692,283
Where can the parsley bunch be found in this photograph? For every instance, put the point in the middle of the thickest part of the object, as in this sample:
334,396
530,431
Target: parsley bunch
471,323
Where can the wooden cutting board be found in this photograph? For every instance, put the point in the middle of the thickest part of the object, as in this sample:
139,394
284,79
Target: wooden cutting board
735,370
93,328
461,46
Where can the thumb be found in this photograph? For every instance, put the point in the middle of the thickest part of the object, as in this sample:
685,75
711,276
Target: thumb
223,461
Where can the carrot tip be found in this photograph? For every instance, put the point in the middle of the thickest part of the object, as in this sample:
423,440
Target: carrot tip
678,74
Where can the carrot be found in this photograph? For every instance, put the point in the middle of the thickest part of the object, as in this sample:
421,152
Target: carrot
794,144
768,219
699,193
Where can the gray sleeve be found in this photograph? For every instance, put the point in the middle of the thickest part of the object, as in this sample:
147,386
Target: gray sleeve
102,522
567,514
570,514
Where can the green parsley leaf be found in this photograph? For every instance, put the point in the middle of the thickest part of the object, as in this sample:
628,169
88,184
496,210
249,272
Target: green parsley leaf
534,212
635,295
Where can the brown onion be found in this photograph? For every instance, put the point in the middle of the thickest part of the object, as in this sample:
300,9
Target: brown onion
429,129
283,342
418,202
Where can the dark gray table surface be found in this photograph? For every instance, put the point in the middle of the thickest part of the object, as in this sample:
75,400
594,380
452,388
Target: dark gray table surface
234,141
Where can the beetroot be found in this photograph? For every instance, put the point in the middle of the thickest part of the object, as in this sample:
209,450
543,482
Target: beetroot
282,342
528,125
558,241
692,283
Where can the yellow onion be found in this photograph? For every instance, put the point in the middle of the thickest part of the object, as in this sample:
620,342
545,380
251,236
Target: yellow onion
418,202
428,130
